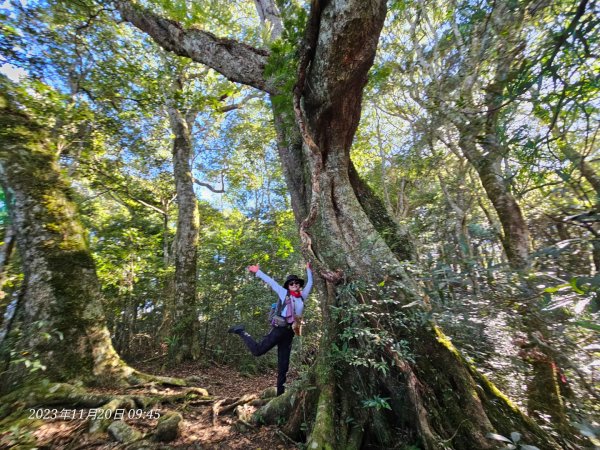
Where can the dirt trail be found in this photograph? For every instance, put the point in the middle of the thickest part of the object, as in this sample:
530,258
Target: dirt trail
200,428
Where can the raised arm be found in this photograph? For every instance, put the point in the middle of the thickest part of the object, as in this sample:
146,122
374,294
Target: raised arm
280,290
309,282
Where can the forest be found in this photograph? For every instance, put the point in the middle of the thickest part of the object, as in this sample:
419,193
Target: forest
429,168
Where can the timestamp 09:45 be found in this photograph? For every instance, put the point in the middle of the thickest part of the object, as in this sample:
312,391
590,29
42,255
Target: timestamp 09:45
93,414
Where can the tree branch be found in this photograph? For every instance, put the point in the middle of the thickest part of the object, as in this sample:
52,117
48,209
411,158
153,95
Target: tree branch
237,105
234,60
210,187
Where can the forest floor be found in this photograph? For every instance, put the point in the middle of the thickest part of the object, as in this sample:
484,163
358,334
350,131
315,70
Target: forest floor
200,428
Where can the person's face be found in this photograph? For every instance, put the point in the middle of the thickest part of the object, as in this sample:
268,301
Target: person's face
294,286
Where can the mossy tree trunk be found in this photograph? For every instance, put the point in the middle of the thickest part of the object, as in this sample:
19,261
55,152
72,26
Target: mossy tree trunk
59,320
6,252
388,354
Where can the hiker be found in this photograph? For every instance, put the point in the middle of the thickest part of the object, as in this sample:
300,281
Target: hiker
286,320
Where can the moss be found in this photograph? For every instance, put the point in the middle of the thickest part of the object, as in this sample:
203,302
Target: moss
18,429
487,384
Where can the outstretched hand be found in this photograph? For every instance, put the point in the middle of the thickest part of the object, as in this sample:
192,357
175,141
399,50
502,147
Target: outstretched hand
308,266
255,268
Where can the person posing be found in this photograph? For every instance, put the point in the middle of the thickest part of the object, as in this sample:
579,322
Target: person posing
292,296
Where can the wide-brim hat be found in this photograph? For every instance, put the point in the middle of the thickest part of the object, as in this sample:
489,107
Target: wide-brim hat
291,278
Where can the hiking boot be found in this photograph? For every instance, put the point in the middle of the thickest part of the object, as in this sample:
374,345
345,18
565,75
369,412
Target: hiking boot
236,329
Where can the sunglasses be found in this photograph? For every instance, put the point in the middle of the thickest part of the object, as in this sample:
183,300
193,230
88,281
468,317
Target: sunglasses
294,283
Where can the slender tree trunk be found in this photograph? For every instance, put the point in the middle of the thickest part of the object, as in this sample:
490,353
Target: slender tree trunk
515,238
60,322
461,232
181,317
578,160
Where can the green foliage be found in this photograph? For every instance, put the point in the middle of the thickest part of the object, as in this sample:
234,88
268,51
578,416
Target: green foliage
377,403
282,65
18,436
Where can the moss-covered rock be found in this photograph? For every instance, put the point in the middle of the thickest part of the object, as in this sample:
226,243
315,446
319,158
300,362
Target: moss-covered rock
269,392
123,433
167,429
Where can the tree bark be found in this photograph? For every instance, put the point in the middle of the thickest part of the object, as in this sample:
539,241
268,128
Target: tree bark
270,17
515,236
181,316
59,323
6,252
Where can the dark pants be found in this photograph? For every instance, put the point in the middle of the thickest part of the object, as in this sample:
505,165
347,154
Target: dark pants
280,337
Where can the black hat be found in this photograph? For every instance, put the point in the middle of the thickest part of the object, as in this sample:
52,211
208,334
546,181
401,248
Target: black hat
291,278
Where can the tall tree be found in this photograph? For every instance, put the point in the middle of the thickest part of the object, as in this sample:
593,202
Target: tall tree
180,321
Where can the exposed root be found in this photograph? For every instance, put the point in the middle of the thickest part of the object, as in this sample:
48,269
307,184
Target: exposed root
241,401
140,379
246,423
285,438
278,407
215,410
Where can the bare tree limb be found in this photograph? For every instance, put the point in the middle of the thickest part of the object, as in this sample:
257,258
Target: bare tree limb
210,187
269,15
239,104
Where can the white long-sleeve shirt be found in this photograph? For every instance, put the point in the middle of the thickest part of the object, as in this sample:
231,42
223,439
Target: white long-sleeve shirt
282,292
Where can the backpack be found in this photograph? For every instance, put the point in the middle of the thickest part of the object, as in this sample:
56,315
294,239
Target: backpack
275,317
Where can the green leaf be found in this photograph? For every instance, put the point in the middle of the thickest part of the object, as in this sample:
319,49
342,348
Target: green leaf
573,284
588,325
554,289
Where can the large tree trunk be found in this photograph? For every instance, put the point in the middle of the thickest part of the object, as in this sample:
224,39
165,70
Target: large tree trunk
431,382
436,398
6,252
59,323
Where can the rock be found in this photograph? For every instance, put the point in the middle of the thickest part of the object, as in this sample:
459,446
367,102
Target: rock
121,432
269,392
195,379
167,429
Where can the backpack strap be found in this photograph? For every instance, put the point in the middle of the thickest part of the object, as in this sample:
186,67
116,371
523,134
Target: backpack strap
280,305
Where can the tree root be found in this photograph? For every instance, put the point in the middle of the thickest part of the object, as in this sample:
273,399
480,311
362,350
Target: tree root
230,404
141,379
285,438
215,410
17,405
278,407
